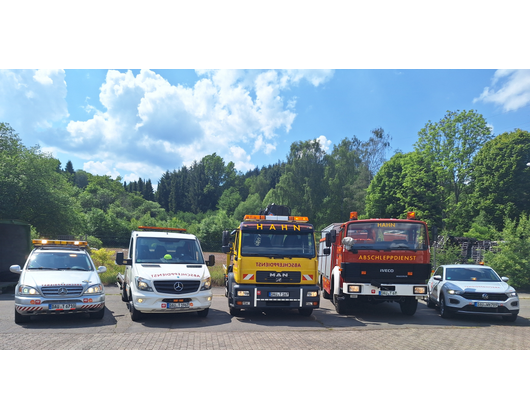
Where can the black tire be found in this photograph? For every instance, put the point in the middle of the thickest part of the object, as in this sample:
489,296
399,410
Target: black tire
235,311
430,303
136,315
444,312
21,319
204,313
510,318
305,311
98,314
341,305
409,306
124,294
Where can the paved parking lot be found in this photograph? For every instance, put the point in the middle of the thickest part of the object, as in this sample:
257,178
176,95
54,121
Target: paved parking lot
377,328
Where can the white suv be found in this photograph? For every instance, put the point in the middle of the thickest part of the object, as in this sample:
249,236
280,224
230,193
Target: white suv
471,289
58,277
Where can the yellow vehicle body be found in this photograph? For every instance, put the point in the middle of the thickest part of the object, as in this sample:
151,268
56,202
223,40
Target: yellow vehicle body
271,264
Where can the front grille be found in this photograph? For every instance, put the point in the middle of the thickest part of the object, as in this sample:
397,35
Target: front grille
54,290
188,286
497,310
491,296
278,276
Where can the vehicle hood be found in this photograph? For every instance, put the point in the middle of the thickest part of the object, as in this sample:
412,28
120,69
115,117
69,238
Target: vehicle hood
480,287
172,271
42,278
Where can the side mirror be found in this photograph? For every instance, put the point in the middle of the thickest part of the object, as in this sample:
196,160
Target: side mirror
102,269
505,279
437,277
226,238
226,249
331,237
15,269
211,260
122,261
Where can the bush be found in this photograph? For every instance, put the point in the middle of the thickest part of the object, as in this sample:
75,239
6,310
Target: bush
513,257
107,258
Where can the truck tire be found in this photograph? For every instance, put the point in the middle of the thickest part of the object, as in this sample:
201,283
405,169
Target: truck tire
325,294
124,295
235,311
203,313
409,306
305,311
136,315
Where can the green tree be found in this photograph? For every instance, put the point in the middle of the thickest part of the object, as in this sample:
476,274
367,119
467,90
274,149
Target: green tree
32,190
501,179
513,258
448,148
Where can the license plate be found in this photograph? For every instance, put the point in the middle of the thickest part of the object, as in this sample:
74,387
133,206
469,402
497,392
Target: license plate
388,292
486,304
278,294
61,306
175,305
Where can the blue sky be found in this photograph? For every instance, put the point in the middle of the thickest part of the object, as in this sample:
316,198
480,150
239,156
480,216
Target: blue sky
133,123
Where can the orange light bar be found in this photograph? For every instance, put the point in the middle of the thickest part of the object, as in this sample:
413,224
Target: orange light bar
353,215
299,219
41,242
411,215
161,228
253,217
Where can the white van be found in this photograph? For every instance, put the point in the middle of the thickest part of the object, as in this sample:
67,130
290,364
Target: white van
165,272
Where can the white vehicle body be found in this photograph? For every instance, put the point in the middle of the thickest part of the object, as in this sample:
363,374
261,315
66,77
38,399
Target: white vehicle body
57,279
471,289
165,281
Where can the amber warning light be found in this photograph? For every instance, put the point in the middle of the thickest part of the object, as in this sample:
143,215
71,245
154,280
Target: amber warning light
301,219
165,229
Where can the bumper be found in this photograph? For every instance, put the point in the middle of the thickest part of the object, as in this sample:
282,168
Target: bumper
37,306
149,302
459,304
274,297
385,292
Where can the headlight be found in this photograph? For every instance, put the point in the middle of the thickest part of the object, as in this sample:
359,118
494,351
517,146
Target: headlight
511,294
27,290
94,290
143,284
207,284
454,292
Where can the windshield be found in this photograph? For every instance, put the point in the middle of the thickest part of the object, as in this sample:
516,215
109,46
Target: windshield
59,261
471,274
386,235
286,244
168,251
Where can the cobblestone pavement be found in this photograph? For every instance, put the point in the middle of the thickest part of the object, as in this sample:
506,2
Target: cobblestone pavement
492,338
383,328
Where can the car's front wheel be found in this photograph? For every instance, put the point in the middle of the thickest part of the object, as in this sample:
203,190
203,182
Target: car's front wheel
510,318
444,312
21,319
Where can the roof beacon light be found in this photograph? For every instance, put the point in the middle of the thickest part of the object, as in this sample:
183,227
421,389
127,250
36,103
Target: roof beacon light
411,215
299,219
57,242
353,215
164,229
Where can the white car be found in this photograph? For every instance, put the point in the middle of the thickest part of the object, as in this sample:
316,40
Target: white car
58,277
471,289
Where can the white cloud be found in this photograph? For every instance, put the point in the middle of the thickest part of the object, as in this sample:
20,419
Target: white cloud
325,144
145,125
32,100
514,93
